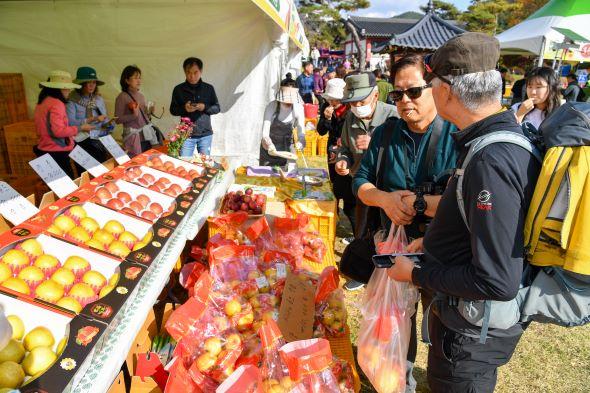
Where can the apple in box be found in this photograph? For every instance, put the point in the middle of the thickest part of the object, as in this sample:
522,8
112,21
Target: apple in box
247,201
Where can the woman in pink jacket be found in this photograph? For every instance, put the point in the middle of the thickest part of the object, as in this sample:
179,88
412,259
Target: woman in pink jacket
56,136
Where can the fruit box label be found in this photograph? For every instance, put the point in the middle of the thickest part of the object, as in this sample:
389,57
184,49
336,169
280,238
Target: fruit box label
296,314
114,149
13,206
53,175
146,255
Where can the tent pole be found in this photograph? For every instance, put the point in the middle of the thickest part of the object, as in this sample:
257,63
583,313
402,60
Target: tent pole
540,61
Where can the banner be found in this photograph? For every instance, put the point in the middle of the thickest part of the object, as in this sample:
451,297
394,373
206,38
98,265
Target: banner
285,14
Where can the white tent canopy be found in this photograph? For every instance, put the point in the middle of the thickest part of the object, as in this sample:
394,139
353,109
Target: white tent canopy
246,47
535,33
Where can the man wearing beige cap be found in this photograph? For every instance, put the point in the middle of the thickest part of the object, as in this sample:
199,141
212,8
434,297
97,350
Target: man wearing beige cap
474,249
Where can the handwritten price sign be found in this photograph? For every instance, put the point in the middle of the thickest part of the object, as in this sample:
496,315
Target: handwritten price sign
13,206
87,162
113,147
53,175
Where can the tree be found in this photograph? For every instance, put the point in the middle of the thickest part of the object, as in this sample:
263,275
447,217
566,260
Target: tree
443,9
322,20
488,16
524,9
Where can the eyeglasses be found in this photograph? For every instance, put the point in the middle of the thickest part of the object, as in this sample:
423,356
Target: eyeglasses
430,74
412,93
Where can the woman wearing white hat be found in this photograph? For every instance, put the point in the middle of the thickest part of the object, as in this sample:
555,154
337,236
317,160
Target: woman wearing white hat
56,136
332,116
280,118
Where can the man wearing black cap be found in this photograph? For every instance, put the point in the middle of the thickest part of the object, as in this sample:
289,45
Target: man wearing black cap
477,258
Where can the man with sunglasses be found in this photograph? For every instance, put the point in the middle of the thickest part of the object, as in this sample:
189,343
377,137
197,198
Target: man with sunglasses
473,257
416,149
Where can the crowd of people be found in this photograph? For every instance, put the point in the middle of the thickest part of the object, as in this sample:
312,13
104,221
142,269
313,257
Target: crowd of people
71,112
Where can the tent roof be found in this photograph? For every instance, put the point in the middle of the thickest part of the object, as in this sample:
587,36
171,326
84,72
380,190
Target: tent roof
429,33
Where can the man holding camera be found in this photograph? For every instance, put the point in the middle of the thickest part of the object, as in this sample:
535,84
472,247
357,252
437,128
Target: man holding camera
417,157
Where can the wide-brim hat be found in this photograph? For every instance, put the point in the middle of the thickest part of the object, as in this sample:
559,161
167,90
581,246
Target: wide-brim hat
59,80
358,87
334,89
87,74
289,95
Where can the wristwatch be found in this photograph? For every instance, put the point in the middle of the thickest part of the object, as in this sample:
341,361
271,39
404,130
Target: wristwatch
420,204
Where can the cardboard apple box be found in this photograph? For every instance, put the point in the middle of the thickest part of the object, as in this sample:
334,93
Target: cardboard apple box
151,157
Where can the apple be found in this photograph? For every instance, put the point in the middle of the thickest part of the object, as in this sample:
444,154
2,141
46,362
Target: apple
177,189
128,210
233,341
163,180
154,187
136,206
232,308
143,182
103,193
248,191
221,323
124,197
149,177
156,208
148,215
213,346
144,200
111,186
205,362
244,322
115,204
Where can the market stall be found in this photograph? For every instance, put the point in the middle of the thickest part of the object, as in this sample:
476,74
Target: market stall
247,46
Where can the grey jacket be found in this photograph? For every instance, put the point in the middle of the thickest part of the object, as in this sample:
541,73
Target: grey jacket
353,127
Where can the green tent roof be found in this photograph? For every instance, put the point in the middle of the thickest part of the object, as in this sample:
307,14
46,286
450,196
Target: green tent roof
563,8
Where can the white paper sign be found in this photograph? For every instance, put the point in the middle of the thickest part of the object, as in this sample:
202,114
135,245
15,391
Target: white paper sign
53,175
13,206
113,147
87,162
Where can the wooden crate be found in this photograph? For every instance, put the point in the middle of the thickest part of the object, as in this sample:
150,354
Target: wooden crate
4,119
118,385
12,90
20,139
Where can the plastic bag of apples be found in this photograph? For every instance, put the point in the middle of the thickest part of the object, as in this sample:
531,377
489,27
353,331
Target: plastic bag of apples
292,236
330,310
275,372
386,327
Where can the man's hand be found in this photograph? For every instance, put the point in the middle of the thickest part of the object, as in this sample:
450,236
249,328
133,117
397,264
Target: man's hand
342,168
200,107
401,270
525,107
189,107
395,208
416,245
362,142
101,118
328,112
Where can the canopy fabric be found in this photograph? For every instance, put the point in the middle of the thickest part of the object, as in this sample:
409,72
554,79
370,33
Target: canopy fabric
530,35
245,54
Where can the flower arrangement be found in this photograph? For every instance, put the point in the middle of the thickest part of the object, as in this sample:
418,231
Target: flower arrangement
178,135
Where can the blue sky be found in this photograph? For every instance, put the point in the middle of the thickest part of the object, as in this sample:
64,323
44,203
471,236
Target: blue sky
388,8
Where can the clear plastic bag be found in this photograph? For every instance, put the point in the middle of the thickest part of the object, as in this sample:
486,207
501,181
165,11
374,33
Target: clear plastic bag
330,310
274,370
246,379
386,327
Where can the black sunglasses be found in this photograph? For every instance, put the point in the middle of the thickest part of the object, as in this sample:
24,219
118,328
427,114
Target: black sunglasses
430,74
412,92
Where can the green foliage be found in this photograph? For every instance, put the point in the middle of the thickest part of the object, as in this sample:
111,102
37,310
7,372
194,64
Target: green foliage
322,20
444,9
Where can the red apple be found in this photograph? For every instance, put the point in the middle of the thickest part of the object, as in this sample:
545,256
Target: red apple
244,206
177,189
143,199
154,187
127,210
124,197
115,204
143,182
148,215
111,186
248,191
156,208
149,177
164,181
246,199
103,193
95,199
136,206
253,205
169,191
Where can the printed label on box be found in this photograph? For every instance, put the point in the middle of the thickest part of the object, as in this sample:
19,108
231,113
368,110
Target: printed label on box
281,270
113,147
13,206
53,175
87,162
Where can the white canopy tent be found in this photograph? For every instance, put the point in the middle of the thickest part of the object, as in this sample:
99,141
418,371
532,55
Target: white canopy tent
536,34
247,46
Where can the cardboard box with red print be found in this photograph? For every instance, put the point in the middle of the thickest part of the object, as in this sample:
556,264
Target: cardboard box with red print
162,162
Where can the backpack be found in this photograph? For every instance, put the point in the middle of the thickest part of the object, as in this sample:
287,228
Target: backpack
581,96
554,289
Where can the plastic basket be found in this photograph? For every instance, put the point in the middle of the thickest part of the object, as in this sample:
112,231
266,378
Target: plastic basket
323,145
20,139
311,148
318,268
342,348
311,111
322,216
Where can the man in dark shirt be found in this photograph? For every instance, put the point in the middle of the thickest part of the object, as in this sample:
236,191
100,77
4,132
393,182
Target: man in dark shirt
485,260
571,92
196,100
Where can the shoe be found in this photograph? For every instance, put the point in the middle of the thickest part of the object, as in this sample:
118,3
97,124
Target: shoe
352,285
347,240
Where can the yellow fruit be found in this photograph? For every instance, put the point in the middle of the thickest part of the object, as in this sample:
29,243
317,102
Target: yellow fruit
5,272
148,237
63,276
213,346
31,273
64,223
61,345
106,290
114,279
127,237
139,245
76,263
18,327
38,337
13,351
69,303
95,244
55,230
233,341
15,258
32,247
103,237
119,249
46,261
79,234
38,360
50,291
114,227
94,278
89,224
77,212
82,291
11,375
205,362
18,285
232,308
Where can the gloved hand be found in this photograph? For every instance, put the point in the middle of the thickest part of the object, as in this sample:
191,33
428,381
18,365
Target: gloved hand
299,146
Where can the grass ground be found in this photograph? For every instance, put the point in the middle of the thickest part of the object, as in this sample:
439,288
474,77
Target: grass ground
549,359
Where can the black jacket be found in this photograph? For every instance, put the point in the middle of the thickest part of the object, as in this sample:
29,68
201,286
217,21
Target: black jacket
332,127
200,93
486,262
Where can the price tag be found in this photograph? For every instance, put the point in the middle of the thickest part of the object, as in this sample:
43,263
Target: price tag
113,147
262,282
87,162
53,175
297,311
13,206
281,270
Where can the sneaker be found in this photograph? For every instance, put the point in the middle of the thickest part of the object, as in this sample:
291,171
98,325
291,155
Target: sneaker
347,240
352,285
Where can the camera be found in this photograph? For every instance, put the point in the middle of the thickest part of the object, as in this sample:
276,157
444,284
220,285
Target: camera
420,205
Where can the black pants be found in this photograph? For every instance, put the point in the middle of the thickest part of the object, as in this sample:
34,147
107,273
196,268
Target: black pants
307,98
460,364
342,187
95,149
61,157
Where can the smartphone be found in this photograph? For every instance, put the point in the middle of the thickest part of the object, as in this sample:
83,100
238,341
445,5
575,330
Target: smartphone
385,261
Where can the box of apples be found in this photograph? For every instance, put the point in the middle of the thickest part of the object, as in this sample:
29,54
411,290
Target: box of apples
162,162
253,204
42,267
91,225
50,348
